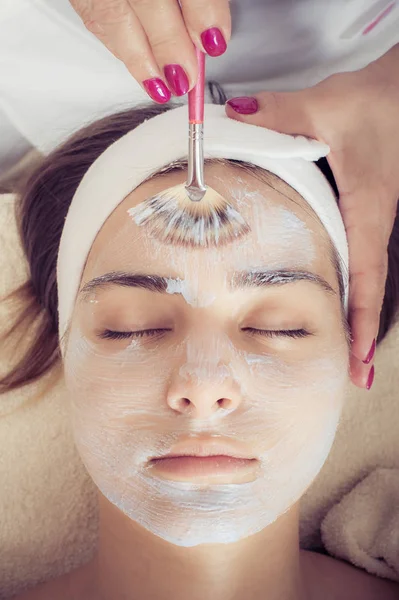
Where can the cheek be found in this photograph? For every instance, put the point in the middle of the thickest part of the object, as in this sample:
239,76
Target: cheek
298,407
115,387
288,412
115,406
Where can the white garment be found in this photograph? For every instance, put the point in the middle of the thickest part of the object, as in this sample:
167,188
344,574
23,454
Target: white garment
55,76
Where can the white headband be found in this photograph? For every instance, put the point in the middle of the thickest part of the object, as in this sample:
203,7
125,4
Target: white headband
163,139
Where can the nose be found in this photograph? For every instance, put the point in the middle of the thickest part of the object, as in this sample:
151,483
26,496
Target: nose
201,396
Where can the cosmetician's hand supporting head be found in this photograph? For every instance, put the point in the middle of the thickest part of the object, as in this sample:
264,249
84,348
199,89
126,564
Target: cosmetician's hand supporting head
357,115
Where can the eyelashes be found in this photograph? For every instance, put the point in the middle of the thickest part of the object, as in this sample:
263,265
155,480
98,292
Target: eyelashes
124,335
156,333
272,333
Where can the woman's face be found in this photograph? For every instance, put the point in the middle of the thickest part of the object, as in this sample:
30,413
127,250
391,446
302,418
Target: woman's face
244,341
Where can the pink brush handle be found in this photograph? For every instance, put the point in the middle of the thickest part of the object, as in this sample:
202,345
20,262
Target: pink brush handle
196,96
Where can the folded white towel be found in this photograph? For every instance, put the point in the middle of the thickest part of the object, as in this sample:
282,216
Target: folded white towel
48,507
364,527
367,439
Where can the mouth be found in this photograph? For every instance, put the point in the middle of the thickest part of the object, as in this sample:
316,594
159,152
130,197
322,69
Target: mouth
202,447
211,460
210,469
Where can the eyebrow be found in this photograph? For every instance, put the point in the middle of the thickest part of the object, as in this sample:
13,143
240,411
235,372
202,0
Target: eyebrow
257,278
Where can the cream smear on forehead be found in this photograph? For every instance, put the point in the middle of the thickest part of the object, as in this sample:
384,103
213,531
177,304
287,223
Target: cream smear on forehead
189,291
279,232
278,238
276,226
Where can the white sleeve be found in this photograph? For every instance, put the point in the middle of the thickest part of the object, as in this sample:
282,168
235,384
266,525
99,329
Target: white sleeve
13,146
55,76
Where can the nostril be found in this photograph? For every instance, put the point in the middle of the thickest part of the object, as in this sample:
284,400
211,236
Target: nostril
225,403
182,403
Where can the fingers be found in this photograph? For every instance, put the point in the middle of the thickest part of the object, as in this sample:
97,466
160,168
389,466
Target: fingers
361,375
368,224
154,38
170,44
286,112
115,24
368,212
367,288
368,268
209,24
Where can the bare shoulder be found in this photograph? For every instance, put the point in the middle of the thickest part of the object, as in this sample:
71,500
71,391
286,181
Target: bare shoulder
339,580
70,586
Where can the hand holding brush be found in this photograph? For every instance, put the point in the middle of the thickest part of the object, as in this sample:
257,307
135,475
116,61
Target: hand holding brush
192,213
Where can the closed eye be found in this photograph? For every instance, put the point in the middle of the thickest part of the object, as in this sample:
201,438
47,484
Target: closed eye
123,335
271,333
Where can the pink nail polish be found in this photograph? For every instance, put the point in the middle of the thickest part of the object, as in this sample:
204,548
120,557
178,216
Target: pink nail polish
245,105
177,79
370,355
157,90
213,41
370,378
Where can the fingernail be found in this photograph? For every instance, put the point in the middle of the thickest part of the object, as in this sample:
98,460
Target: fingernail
370,378
245,105
157,90
213,41
177,79
371,353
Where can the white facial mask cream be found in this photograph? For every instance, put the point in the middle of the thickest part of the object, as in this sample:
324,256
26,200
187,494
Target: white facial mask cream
125,397
121,416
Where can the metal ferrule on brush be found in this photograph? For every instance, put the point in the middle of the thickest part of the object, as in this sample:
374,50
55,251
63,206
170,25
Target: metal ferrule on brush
195,185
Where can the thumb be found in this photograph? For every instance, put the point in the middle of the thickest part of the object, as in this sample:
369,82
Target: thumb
286,112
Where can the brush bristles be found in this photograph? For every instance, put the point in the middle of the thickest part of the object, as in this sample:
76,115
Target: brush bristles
172,217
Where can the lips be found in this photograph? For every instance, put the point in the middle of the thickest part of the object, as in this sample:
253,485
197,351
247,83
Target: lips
208,460
206,447
206,469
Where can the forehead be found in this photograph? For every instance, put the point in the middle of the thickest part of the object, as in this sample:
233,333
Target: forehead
283,230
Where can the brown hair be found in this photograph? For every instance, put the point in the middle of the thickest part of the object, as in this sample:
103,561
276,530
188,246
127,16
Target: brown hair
43,198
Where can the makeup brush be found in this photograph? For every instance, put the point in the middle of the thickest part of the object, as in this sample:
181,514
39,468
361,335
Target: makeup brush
192,214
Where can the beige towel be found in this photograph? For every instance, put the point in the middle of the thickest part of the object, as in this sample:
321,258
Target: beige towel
364,527
48,510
